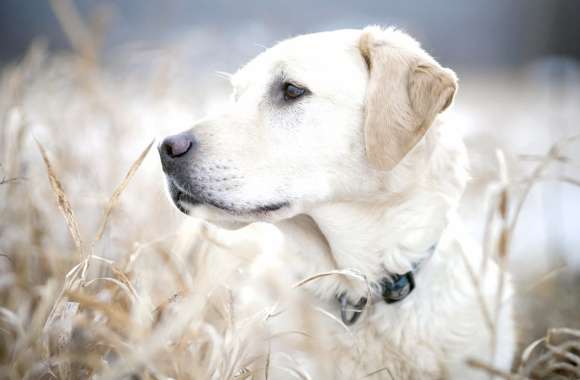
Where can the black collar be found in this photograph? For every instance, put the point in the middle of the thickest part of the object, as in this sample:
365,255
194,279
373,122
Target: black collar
392,288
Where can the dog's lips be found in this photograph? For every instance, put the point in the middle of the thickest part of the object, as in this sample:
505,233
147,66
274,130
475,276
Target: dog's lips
182,199
271,207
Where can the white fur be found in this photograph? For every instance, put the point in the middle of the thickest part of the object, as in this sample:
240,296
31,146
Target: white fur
344,214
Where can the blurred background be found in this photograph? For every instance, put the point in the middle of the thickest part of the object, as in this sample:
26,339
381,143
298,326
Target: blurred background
95,81
482,36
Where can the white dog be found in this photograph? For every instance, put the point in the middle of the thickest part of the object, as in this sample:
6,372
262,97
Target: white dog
336,139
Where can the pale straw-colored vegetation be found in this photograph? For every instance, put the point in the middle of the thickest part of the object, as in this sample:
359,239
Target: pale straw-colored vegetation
101,278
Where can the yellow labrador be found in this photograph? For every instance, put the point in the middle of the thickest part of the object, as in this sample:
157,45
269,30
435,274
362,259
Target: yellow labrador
336,139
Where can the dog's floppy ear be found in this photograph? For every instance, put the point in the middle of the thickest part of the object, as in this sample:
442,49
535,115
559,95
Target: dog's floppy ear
407,89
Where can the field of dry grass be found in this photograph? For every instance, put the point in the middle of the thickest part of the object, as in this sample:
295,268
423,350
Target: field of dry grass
101,278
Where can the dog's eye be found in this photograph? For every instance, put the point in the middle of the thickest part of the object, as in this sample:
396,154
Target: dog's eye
293,92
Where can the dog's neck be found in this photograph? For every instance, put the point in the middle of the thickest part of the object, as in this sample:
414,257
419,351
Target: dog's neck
393,234
372,238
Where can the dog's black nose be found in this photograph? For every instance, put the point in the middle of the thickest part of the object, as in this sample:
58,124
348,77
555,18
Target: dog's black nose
177,145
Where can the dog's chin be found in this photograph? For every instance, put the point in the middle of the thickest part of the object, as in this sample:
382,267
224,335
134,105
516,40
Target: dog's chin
226,213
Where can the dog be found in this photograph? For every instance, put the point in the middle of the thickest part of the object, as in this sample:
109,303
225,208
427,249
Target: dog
337,139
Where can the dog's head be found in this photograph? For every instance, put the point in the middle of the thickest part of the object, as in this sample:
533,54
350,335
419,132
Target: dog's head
317,118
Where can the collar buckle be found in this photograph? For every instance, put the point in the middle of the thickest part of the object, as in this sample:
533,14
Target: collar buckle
346,307
393,288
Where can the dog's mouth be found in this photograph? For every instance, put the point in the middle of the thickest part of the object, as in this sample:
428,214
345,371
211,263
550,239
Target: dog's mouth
185,201
182,200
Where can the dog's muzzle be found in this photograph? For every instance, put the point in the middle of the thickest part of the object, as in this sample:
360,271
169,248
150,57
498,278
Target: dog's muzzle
176,153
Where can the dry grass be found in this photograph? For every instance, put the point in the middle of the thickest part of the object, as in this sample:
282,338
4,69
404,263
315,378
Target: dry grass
94,285
557,355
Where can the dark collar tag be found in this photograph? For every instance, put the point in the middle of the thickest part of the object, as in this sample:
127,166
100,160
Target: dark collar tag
398,288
